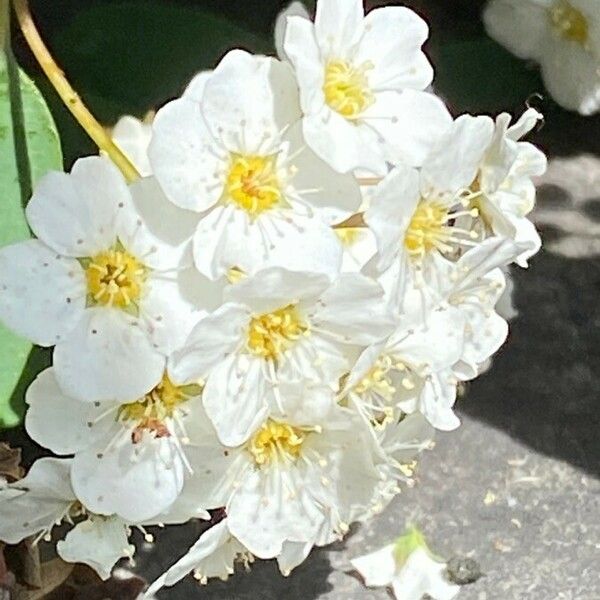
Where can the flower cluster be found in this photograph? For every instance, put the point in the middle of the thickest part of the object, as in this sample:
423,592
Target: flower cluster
272,322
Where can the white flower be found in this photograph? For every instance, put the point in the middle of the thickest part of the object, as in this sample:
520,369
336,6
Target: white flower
105,282
232,149
506,190
129,458
419,214
43,499
408,567
473,285
412,370
359,246
359,79
275,327
563,36
299,478
133,137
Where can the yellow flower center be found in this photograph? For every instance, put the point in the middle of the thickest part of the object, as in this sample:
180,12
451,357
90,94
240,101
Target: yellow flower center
114,278
570,23
271,334
276,440
151,411
347,88
432,227
252,183
378,380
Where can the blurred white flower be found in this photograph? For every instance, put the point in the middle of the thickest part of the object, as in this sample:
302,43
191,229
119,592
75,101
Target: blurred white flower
277,326
563,36
232,149
107,281
408,567
360,79
294,9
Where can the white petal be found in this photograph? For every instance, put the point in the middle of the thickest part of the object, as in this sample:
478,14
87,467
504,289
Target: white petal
300,46
392,42
423,575
75,214
184,157
107,356
329,189
62,424
228,238
173,304
263,523
457,155
97,542
275,288
392,207
195,89
295,9
343,144
352,308
338,26
378,568
213,555
235,398
487,332
437,399
37,501
209,343
133,137
292,555
250,96
410,123
42,294
154,229
135,481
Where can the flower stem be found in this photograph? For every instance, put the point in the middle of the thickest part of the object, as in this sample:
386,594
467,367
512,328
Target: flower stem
68,95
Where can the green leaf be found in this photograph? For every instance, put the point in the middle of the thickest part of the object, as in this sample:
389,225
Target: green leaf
29,147
142,54
478,75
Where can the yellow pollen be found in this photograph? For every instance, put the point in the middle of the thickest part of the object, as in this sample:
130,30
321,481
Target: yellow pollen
151,411
252,183
348,235
276,440
428,229
271,334
570,23
378,380
114,278
347,88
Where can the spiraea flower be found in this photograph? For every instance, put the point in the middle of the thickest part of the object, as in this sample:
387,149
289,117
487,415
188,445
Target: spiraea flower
411,371
360,80
129,458
277,326
232,149
44,499
409,568
105,282
504,190
299,478
563,36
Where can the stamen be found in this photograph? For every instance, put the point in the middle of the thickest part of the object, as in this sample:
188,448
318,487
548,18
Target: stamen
347,88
